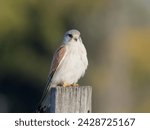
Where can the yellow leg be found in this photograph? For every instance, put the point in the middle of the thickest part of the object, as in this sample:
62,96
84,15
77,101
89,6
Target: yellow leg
75,85
64,84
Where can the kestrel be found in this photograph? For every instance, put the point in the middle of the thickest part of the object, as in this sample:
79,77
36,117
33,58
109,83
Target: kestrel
68,65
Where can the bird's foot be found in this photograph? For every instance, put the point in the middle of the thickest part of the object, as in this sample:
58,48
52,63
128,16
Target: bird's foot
75,85
66,84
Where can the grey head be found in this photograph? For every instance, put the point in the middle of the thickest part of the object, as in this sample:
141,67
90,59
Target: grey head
72,35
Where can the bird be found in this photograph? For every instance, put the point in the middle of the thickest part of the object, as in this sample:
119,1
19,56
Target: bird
67,67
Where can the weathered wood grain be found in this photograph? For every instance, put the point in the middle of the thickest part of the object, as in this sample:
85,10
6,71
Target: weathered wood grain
70,100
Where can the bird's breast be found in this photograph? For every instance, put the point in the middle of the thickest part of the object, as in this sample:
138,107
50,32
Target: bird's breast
73,65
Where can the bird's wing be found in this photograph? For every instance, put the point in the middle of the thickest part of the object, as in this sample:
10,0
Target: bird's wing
57,60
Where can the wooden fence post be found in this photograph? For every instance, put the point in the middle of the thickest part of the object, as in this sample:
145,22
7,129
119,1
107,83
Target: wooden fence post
70,100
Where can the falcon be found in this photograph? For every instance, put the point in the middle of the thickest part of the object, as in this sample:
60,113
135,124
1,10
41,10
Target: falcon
68,65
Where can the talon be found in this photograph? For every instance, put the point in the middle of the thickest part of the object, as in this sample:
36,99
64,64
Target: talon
66,84
75,85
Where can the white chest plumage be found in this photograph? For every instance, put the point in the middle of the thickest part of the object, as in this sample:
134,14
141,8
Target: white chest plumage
73,65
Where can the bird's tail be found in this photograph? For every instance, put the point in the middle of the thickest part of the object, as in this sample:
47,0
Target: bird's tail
44,102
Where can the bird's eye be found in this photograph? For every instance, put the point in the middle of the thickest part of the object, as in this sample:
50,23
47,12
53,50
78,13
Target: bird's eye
70,35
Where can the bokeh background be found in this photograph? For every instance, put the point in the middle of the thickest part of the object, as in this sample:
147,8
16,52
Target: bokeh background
116,34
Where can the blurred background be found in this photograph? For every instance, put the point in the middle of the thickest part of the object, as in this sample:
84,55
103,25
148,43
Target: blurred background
116,34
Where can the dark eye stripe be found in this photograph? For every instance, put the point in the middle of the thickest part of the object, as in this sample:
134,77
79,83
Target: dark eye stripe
70,35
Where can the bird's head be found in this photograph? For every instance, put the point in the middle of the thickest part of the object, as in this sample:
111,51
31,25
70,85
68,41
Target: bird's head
72,35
